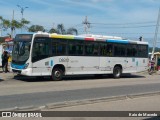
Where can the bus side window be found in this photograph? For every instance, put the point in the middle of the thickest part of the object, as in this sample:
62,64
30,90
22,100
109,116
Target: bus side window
79,49
54,49
37,50
103,50
109,50
95,49
72,49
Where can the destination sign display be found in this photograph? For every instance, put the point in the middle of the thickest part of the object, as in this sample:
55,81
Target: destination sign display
23,37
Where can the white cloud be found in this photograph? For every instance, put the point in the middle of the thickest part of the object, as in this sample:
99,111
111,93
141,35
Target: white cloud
95,1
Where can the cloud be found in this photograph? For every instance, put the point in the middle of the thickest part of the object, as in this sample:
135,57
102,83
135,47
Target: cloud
73,12
95,1
91,1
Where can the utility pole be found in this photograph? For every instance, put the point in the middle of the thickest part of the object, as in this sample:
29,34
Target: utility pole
1,27
0,32
12,27
86,25
156,34
22,11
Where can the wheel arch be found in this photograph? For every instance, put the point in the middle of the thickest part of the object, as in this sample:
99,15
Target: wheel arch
118,65
117,71
60,66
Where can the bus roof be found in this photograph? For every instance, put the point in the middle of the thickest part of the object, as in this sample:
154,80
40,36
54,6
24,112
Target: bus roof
86,37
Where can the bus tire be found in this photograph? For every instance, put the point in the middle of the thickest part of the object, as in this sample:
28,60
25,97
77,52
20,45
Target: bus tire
117,71
57,74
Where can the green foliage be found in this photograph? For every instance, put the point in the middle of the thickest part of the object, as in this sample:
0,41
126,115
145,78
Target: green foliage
36,28
61,30
2,39
52,30
24,22
13,24
156,49
72,31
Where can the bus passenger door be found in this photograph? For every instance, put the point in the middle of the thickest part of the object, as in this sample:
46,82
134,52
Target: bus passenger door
40,56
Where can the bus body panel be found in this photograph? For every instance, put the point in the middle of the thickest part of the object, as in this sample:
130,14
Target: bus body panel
130,65
82,63
75,65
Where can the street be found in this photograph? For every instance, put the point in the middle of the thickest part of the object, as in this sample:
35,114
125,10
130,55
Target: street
20,91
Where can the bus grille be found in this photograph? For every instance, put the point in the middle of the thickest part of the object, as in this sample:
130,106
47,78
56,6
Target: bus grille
16,71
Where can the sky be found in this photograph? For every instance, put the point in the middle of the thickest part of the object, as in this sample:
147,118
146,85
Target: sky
126,18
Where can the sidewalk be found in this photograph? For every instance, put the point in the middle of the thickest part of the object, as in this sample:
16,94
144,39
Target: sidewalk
148,103
4,76
144,103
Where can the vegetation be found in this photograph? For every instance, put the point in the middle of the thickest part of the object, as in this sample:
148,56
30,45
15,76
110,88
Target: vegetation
2,39
61,30
13,24
24,22
36,28
156,49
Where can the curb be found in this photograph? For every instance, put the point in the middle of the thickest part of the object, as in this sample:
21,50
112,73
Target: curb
132,96
83,102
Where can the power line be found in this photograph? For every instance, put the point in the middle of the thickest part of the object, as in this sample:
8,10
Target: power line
125,26
122,33
125,23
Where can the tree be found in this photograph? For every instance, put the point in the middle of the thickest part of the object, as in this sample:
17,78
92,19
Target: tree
36,28
52,30
24,22
61,30
13,24
72,31
1,20
4,23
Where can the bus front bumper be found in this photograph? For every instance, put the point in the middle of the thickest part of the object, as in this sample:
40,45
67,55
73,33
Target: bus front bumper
26,72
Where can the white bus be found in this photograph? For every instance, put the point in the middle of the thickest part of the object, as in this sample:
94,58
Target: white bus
44,54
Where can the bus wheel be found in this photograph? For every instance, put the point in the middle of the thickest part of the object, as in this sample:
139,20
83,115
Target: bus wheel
57,74
117,71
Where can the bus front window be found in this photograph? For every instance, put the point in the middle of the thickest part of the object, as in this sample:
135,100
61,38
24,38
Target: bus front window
21,51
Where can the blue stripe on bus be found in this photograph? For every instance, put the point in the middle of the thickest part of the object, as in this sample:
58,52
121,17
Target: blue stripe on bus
118,41
18,66
51,62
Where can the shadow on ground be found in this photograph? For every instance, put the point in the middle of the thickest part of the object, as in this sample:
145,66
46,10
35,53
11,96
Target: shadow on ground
73,78
153,118
1,80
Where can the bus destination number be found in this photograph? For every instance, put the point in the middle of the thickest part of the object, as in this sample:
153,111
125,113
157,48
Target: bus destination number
63,60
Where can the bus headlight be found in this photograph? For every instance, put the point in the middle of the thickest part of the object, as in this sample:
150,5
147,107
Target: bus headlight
26,65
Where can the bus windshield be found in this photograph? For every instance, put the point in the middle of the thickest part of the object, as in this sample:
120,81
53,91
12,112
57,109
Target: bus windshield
21,49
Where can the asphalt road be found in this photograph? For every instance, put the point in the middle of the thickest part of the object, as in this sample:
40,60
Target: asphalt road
42,98
21,92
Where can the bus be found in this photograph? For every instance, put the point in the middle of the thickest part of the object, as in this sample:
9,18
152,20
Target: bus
44,54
